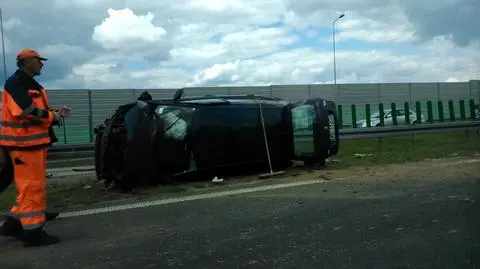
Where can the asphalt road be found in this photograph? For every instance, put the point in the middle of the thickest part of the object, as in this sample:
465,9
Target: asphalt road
337,224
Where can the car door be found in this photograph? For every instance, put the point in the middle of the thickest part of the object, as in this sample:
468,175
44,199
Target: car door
314,130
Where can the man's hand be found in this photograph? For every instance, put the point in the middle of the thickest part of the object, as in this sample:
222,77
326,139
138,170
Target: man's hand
64,111
56,117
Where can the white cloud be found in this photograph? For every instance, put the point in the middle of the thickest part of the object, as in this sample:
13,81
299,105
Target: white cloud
123,31
12,23
148,44
361,28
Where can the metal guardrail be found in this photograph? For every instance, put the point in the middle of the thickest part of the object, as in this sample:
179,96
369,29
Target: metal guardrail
69,151
424,128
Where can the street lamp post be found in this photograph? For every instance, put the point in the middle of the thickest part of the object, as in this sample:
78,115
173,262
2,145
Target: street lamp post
334,60
3,46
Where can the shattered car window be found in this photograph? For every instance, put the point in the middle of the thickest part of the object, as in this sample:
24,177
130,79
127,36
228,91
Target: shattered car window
176,120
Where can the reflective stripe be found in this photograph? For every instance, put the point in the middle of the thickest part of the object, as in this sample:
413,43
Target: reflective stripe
26,215
10,214
34,226
20,124
24,138
31,214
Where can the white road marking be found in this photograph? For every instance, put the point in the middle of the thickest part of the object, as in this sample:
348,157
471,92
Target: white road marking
94,211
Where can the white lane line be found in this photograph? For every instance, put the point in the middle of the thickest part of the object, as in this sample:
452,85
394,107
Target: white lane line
94,211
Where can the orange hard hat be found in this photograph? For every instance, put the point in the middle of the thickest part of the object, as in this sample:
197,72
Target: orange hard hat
27,53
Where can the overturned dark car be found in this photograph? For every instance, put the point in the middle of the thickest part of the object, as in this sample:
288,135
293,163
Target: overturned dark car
156,141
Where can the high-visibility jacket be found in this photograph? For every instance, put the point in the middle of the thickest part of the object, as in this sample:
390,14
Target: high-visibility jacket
26,118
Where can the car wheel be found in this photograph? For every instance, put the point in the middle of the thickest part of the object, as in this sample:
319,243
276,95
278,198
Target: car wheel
378,125
415,122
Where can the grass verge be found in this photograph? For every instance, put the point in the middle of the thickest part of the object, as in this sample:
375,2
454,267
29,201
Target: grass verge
357,152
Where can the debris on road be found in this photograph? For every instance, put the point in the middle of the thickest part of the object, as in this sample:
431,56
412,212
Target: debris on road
217,180
362,155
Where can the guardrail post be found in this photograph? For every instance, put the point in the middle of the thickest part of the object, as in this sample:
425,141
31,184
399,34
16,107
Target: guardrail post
90,115
418,109
340,116
368,115
430,111
462,110
472,109
441,118
394,113
381,114
451,110
406,107
354,116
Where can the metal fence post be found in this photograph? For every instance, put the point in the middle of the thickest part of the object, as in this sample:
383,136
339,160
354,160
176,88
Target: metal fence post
462,110
394,113
368,115
354,116
90,115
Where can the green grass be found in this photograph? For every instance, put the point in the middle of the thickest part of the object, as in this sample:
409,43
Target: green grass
408,148
392,150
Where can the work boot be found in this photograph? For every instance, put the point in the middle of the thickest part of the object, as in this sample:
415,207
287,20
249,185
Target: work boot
51,215
37,238
11,227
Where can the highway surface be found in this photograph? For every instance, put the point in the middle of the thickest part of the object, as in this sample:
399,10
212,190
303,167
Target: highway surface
335,224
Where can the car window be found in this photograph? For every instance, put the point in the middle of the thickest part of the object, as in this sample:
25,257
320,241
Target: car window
303,119
176,120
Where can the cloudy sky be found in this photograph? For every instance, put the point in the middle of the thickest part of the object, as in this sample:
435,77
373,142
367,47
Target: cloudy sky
150,44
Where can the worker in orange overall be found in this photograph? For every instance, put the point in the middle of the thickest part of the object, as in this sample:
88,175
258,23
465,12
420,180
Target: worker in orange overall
26,132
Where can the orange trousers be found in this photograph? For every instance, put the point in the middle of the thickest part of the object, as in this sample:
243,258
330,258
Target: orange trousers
31,183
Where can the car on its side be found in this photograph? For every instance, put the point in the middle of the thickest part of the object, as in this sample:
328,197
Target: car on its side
154,141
